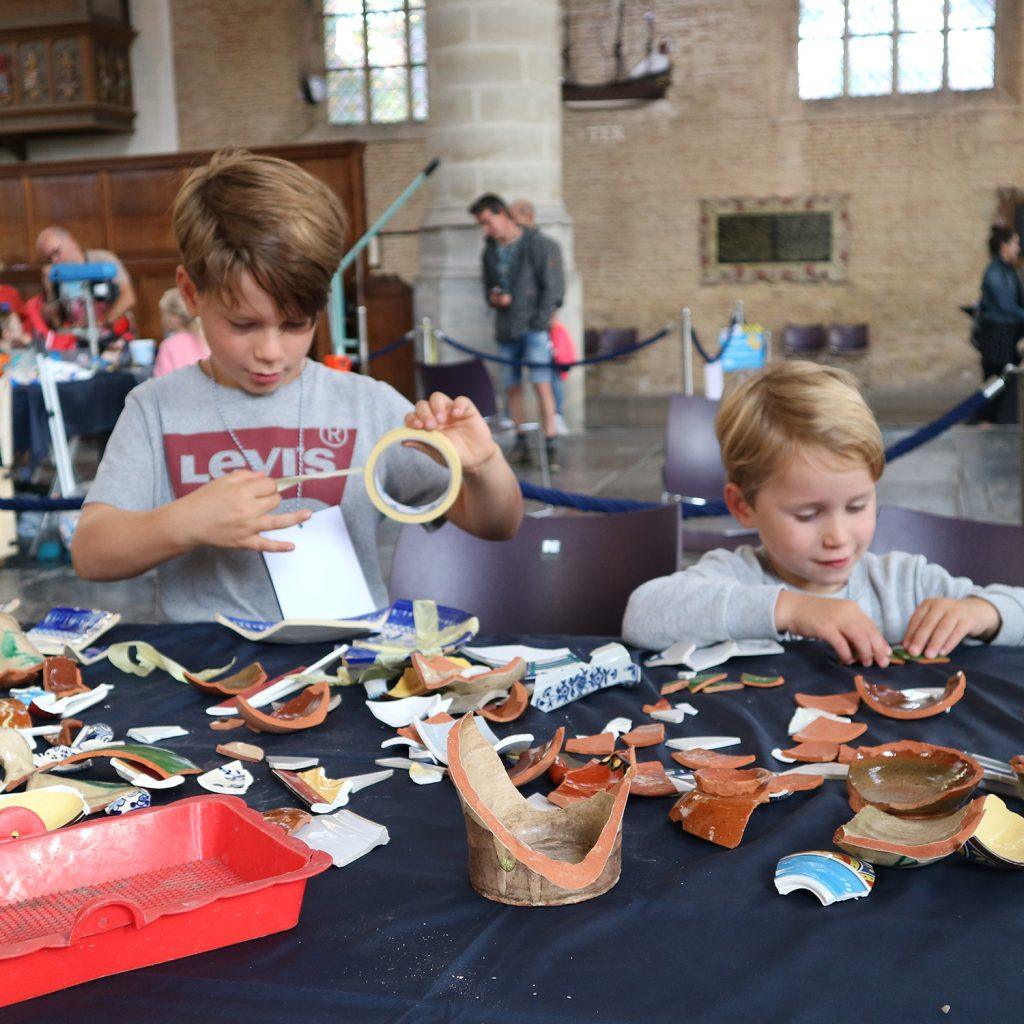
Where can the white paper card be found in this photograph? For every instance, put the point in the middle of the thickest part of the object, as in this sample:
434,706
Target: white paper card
322,577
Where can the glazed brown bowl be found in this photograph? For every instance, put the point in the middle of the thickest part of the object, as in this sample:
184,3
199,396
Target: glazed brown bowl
911,779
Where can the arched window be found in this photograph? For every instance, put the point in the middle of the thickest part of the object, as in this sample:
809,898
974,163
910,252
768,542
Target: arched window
376,56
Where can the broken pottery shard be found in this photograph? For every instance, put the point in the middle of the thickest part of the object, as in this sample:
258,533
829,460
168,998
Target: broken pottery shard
650,779
600,745
54,807
764,682
813,751
156,733
288,818
231,686
20,662
909,704
96,794
304,711
583,783
534,762
719,820
242,751
698,757
661,705
998,841
528,857
728,782
784,783
293,764
15,758
227,724
705,742
836,703
830,876
609,665
346,836
425,775
511,708
14,714
644,736
230,779
62,677
830,731
888,841
157,760
400,713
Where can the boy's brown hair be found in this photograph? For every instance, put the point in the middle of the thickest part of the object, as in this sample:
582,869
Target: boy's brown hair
788,408
245,212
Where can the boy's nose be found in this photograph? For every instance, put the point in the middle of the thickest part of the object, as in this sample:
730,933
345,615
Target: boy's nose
268,347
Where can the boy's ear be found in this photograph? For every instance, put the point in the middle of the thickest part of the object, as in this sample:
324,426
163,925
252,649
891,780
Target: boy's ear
740,509
188,290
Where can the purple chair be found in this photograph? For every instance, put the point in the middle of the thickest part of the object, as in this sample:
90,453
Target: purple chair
469,377
984,552
568,574
803,340
848,339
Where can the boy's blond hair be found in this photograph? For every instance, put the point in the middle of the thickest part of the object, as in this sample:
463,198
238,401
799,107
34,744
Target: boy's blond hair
244,212
791,407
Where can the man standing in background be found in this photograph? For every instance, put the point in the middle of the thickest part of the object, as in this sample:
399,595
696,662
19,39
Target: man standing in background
522,273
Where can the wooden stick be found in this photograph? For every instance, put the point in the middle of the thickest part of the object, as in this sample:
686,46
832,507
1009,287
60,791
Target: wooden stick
287,482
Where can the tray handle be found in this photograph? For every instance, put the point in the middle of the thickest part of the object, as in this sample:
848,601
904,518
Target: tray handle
19,823
104,914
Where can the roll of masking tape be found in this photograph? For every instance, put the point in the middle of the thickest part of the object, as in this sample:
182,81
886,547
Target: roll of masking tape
396,510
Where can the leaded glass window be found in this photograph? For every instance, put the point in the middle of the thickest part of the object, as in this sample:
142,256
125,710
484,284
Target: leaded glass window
376,56
881,47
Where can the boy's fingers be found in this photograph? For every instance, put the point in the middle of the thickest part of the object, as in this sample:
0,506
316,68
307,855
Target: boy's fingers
462,407
939,642
440,404
265,523
421,411
263,544
840,646
924,630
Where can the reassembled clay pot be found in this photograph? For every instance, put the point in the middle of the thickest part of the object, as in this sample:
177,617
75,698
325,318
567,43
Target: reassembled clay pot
831,731
998,841
231,686
911,779
888,841
533,763
583,783
813,752
524,856
836,703
304,711
600,745
62,678
511,708
894,703
698,757
645,735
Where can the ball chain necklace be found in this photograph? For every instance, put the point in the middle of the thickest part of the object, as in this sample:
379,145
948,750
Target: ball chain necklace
300,447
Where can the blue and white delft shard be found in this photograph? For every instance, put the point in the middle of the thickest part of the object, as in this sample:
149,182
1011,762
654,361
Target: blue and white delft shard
70,627
610,665
831,876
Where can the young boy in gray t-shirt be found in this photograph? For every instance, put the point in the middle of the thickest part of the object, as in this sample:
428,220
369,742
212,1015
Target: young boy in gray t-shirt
187,483
802,454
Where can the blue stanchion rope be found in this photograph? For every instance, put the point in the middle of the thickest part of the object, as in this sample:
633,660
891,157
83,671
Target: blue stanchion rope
702,352
588,503
388,349
966,408
558,367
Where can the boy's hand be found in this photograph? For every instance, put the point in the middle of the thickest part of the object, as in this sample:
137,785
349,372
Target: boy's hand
232,511
460,421
841,623
940,623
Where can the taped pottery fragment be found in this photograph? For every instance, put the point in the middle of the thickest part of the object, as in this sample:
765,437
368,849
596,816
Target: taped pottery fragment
813,751
346,836
600,745
528,857
763,682
248,752
230,779
830,876
96,794
509,709
830,731
230,686
133,800
998,841
836,703
661,705
227,724
62,677
908,704
304,711
15,758
533,763
53,808
14,714
887,841
908,778
156,733
698,757
288,818
583,783
161,762
645,736
704,742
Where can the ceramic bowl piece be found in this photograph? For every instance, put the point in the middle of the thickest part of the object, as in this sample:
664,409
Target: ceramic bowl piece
998,841
524,856
911,779
830,876
916,703
887,841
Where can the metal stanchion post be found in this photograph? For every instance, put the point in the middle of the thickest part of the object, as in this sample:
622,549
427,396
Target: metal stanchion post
430,353
364,340
686,333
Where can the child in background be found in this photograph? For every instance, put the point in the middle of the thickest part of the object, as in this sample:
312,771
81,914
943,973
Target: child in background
187,484
183,342
802,454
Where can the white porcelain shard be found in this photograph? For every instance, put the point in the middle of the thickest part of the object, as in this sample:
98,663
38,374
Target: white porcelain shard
400,741
400,713
541,802
514,744
291,764
375,688
617,726
780,756
423,775
344,835
156,733
674,655
67,707
705,742
708,657
827,770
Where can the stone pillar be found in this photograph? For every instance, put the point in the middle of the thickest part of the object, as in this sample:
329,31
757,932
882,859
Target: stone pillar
495,121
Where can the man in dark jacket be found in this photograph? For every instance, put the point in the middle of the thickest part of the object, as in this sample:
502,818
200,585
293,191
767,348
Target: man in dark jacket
523,283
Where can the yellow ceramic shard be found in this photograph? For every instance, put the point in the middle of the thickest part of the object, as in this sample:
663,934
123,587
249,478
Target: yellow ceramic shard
320,783
56,806
411,685
1001,831
147,657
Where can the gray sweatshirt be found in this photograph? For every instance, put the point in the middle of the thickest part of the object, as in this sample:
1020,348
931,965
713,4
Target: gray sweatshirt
731,595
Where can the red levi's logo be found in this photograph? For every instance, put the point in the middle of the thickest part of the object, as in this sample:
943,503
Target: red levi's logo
195,459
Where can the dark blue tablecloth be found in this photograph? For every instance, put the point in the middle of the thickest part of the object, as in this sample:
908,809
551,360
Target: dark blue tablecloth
692,932
89,407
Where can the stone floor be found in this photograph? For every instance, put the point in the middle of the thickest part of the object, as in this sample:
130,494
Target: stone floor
969,471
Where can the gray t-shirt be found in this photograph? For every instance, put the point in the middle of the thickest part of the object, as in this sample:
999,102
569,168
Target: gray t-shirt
731,595
172,438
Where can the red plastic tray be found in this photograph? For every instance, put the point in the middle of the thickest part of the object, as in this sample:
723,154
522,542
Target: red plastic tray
114,894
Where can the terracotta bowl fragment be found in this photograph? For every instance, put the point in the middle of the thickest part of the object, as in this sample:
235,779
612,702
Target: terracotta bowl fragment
719,820
14,714
830,731
230,686
888,841
62,677
563,763
525,856
908,778
649,779
600,745
534,762
892,703
698,757
645,735
511,708
793,783
813,752
583,783
304,711
836,703
732,781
